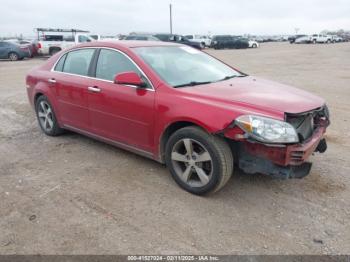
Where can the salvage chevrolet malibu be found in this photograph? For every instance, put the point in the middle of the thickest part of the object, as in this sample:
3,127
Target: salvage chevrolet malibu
182,107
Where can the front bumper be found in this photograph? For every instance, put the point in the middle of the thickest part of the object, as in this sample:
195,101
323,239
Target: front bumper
252,165
283,161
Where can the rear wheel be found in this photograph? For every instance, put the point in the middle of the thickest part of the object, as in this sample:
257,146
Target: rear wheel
46,117
254,46
13,56
199,162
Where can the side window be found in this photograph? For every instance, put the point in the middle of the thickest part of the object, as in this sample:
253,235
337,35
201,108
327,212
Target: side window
83,39
59,65
78,62
111,63
141,38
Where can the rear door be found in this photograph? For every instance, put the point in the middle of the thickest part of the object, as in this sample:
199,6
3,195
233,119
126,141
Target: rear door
4,49
71,82
120,112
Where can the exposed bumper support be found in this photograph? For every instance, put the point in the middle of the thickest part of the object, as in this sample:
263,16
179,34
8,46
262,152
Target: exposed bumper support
252,164
280,162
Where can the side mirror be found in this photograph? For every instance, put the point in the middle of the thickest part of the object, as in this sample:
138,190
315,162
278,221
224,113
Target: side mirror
129,78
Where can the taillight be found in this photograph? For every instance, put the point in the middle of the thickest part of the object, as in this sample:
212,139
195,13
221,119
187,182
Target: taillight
39,45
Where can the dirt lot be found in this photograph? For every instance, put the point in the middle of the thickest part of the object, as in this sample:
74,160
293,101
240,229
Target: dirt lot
73,195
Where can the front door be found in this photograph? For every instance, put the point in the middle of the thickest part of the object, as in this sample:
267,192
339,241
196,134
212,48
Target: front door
121,113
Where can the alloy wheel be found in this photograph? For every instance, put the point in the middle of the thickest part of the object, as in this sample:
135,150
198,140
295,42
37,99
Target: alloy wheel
13,57
45,116
192,162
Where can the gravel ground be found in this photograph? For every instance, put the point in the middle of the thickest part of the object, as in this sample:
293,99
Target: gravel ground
74,195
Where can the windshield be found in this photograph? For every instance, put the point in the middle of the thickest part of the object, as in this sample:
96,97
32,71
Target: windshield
185,66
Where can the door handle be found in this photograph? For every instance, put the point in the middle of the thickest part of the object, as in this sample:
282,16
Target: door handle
94,89
52,80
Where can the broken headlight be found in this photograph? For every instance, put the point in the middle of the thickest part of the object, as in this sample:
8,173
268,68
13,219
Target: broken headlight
267,130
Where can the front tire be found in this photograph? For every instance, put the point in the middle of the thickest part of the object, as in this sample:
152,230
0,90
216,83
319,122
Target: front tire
46,117
13,56
199,162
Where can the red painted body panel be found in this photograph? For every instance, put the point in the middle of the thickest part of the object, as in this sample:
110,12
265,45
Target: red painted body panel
123,113
139,117
288,155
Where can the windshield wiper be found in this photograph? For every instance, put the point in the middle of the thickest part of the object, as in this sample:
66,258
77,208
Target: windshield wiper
229,77
194,83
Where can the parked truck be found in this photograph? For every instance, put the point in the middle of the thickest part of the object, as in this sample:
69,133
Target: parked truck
321,38
51,41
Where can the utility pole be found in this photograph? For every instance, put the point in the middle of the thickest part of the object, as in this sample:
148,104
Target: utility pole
171,19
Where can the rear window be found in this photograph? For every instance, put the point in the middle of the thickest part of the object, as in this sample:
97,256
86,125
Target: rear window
130,38
59,65
141,38
162,37
78,62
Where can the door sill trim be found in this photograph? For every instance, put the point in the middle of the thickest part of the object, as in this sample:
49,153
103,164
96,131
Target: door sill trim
111,142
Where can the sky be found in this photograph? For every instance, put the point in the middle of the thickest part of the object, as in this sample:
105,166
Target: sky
111,17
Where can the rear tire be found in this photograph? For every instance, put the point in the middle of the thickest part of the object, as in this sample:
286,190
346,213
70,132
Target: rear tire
199,162
46,117
13,56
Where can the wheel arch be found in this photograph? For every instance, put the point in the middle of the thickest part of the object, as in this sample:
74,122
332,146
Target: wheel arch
42,91
171,129
37,95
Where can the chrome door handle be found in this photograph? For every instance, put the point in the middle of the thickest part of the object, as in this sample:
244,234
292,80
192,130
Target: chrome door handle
51,80
94,89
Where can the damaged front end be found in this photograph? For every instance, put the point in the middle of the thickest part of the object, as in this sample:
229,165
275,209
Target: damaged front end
257,152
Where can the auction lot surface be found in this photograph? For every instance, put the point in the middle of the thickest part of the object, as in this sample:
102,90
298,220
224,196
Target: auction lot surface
73,195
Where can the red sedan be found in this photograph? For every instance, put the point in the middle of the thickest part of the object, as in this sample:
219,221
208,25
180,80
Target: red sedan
182,107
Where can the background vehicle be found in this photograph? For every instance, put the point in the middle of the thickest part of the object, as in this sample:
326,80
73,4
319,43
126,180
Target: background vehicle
32,46
337,39
319,38
229,41
50,44
96,37
303,40
292,38
13,51
141,38
178,39
202,39
253,44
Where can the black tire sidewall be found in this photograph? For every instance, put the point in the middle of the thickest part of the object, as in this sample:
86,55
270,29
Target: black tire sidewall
214,154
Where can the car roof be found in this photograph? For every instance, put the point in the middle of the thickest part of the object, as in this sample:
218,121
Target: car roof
127,44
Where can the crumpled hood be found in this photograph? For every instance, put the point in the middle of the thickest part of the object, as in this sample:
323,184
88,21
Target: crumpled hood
259,93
